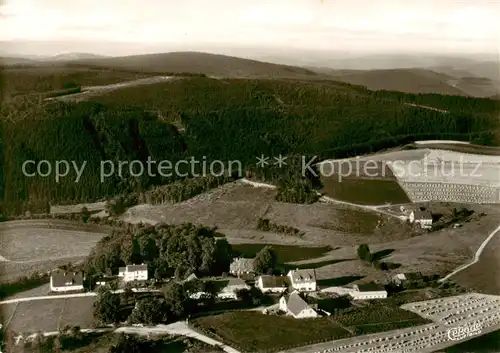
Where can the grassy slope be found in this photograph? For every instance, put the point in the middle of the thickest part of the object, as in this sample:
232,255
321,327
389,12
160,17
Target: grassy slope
403,80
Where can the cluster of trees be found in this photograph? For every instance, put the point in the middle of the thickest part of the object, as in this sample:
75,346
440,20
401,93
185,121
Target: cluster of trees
267,225
235,120
457,216
179,191
366,255
265,261
166,249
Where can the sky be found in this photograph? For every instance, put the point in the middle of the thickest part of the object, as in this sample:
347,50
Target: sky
102,26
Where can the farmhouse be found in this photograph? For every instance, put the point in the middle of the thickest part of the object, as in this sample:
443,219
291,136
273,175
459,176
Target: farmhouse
303,280
242,267
423,218
368,291
133,273
294,305
409,279
230,291
62,281
272,284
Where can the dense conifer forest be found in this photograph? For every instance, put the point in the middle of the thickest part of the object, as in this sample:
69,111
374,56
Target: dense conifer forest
225,120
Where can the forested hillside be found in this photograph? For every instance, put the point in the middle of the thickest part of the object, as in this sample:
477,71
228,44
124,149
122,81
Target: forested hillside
225,120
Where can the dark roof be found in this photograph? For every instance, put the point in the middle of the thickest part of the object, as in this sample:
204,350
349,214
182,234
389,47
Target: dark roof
60,278
295,303
305,275
370,287
419,214
413,276
274,281
236,282
133,268
241,265
122,269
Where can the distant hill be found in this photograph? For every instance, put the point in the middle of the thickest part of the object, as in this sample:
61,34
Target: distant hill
403,80
12,60
75,56
196,62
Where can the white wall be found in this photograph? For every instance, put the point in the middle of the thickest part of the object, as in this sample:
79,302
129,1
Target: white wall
135,276
368,295
306,313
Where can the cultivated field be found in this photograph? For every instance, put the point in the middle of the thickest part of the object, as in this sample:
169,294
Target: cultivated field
422,174
48,315
39,245
459,311
255,332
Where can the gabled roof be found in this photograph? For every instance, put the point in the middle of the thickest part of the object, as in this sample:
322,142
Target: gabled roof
304,276
419,214
295,303
61,278
274,281
191,277
133,268
371,287
242,265
236,282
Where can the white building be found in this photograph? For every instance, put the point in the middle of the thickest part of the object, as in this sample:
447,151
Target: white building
272,284
133,273
423,218
303,280
368,291
294,305
62,281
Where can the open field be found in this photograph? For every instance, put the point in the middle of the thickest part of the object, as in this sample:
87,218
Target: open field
36,244
254,332
40,245
50,314
483,276
92,207
364,191
462,148
235,210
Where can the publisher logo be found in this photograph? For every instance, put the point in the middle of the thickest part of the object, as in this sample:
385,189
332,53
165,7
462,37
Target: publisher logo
461,332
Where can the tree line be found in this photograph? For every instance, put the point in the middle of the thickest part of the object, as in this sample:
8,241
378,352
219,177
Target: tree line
226,121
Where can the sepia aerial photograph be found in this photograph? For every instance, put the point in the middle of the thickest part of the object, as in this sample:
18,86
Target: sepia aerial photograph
250,176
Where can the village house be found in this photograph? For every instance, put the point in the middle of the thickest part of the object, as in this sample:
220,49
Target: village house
422,218
272,284
62,281
303,280
368,291
230,291
241,267
294,305
410,279
133,273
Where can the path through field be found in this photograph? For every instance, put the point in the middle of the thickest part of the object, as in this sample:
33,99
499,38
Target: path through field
91,91
476,256
326,199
